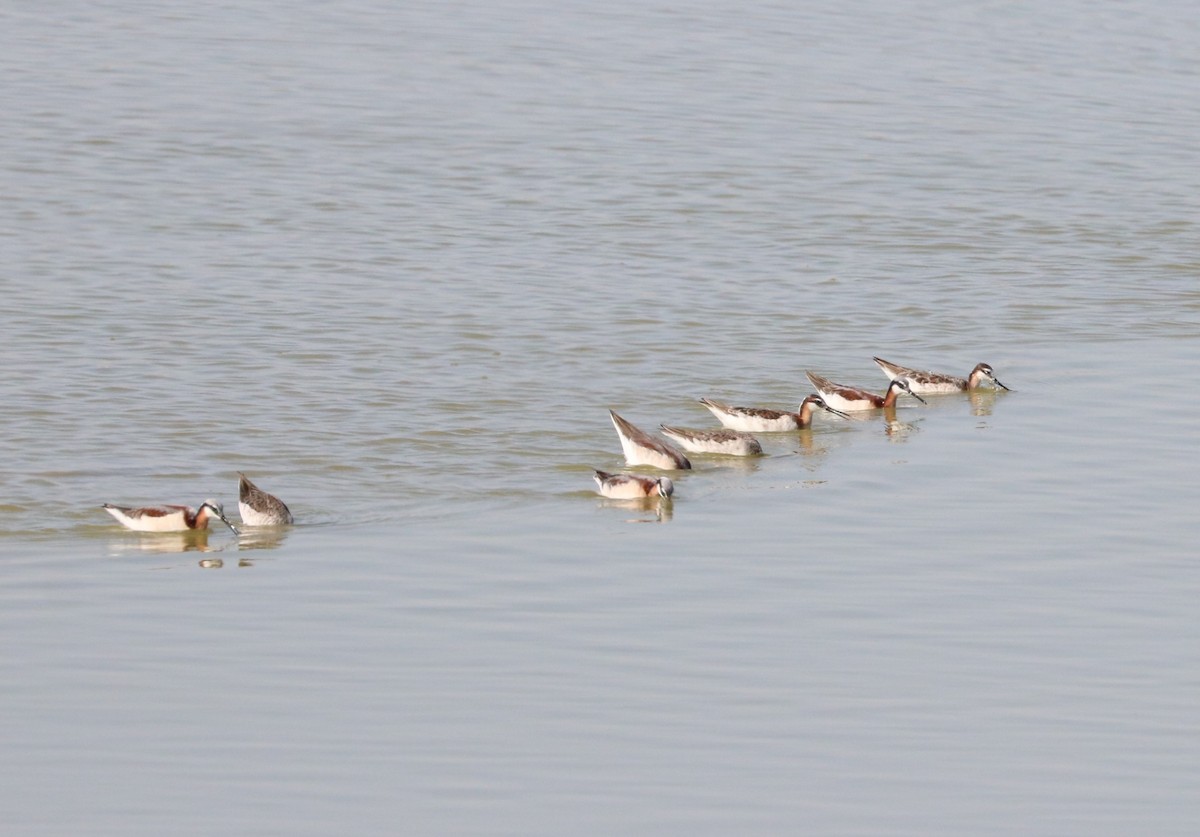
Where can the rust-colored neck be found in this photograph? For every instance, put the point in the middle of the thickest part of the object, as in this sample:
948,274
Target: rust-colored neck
199,520
804,417
889,400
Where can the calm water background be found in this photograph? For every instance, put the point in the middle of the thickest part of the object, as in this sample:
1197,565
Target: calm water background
396,261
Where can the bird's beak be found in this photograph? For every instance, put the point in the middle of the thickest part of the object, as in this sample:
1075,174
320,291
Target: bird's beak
232,528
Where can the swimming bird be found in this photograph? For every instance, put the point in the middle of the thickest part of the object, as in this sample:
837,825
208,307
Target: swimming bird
632,486
258,508
853,399
768,421
643,449
935,383
169,518
731,442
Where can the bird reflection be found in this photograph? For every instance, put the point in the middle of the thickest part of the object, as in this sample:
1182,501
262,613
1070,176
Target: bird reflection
193,540
739,464
218,563
661,509
264,537
982,401
196,540
898,431
807,444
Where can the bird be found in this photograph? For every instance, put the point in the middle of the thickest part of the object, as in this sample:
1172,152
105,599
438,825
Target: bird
258,508
935,383
853,399
768,421
731,442
169,518
632,486
641,448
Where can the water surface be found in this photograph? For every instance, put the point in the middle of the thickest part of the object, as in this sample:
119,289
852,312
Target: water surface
396,263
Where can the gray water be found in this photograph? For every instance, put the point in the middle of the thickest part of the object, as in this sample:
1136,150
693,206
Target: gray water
397,261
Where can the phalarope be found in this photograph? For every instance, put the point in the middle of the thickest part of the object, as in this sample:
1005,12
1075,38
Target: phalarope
730,442
258,508
768,421
632,486
853,399
935,383
169,518
643,449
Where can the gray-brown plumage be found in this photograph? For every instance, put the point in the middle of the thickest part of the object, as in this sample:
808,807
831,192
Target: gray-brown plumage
258,508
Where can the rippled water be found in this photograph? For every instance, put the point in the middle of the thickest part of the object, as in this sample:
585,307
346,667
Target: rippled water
397,262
